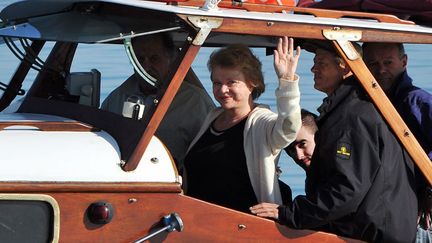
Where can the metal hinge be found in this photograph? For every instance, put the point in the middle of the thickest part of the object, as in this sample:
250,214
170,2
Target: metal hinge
205,24
344,38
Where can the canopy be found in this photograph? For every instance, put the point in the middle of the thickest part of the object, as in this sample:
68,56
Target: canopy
419,11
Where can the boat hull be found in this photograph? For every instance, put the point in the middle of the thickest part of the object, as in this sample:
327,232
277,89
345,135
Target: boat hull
136,214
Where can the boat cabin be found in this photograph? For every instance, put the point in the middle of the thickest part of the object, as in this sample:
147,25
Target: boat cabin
73,172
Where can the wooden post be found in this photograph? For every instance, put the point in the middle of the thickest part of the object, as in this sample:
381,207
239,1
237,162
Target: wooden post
367,80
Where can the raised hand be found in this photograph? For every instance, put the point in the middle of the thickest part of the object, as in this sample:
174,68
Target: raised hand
285,60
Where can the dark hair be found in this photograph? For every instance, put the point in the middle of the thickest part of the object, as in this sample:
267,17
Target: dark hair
400,46
240,57
314,45
308,120
164,37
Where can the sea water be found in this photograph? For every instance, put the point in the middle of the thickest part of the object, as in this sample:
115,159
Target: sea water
112,62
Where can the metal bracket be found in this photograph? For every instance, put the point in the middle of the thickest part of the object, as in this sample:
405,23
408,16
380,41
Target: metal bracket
205,24
344,38
211,5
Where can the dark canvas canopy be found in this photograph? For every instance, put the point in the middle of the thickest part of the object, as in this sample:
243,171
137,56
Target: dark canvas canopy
419,11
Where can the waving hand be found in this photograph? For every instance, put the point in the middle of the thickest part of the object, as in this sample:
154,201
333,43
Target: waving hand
285,60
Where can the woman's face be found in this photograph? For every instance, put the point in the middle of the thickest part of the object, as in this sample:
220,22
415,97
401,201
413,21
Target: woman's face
230,88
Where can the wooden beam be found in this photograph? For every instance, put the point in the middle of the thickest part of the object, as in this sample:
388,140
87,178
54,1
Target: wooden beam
96,187
311,31
50,126
379,98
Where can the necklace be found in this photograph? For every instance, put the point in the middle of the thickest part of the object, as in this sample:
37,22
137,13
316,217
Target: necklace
214,132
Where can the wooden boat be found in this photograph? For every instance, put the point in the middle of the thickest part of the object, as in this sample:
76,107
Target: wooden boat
74,173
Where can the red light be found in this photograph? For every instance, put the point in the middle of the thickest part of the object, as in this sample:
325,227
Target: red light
100,212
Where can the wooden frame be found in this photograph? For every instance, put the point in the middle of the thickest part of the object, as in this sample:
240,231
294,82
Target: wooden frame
50,125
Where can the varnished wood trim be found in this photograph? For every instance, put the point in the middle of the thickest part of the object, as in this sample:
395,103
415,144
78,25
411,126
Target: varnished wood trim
308,31
389,113
157,187
138,214
326,13
51,126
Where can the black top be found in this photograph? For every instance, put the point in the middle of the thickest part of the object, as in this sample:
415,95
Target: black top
216,169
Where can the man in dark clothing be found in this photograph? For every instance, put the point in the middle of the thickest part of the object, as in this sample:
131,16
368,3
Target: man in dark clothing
388,62
361,182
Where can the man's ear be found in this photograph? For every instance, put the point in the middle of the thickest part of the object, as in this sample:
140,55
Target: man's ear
344,67
404,60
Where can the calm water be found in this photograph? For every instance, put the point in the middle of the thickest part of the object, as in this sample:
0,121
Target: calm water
112,62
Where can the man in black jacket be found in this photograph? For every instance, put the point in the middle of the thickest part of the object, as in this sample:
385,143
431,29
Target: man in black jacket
361,181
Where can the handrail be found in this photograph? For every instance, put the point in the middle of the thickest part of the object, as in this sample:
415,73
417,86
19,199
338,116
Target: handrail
325,13
107,187
264,27
50,126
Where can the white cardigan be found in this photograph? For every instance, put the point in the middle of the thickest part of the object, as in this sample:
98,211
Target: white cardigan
265,134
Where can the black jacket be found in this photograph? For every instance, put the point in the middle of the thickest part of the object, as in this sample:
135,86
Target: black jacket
361,181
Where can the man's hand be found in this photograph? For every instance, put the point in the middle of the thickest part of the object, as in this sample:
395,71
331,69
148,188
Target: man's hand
425,209
267,210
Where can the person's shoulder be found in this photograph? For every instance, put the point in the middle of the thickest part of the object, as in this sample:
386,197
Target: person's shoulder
129,84
419,95
262,107
362,105
187,88
191,92
113,97
360,108
261,110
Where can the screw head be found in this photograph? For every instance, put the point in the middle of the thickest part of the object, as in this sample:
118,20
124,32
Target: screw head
132,200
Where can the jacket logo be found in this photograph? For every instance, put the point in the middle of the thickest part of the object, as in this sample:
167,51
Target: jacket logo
343,151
